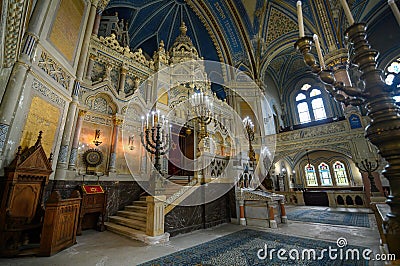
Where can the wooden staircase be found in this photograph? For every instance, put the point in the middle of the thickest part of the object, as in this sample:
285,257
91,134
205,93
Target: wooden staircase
132,221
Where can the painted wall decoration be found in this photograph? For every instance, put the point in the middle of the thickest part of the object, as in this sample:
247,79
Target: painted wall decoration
42,116
86,142
66,27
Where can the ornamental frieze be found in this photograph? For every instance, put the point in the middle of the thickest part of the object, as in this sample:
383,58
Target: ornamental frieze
50,66
48,93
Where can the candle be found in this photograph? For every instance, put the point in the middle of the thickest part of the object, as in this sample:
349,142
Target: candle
319,51
152,118
147,120
142,120
300,19
347,12
395,10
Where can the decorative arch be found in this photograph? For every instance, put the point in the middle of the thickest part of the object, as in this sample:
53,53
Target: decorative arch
102,103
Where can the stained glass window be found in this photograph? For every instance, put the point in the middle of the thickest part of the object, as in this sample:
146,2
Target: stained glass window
318,109
325,174
304,114
311,177
310,100
340,174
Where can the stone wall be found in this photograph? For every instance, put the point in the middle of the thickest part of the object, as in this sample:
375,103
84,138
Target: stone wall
184,219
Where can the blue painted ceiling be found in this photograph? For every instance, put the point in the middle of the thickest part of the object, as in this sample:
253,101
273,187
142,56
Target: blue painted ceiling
155,20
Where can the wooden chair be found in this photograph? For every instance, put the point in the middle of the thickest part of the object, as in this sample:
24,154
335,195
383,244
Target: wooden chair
21,190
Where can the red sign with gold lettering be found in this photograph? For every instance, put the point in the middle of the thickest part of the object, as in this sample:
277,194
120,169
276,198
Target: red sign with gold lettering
92,189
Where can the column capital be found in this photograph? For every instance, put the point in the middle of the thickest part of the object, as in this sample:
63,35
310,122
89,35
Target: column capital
124,70
92,56
82,113
337,59
117,121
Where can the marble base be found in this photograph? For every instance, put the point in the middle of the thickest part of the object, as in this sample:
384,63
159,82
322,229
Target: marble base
273,224
153,240
284,219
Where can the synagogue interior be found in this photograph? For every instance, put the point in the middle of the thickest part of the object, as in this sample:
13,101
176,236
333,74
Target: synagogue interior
186,132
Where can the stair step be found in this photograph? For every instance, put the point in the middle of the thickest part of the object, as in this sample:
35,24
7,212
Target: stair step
180,182
126,231
133,208
135,224
139,203
133,215
143,198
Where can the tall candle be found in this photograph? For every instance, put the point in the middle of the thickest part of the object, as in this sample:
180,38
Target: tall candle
142,120
347,12
147,120
300,19
152,120
319,51
395,10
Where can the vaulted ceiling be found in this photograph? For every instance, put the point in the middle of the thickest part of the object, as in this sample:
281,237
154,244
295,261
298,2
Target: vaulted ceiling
256,36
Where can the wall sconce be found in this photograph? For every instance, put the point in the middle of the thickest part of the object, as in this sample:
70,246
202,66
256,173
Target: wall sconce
131,142
96,140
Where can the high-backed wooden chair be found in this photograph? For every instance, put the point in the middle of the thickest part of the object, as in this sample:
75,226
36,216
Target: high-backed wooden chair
21,193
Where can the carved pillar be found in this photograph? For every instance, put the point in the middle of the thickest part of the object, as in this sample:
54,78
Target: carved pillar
122,78
97,20
155,215
75,141
65,142
19,74
90,65
114,145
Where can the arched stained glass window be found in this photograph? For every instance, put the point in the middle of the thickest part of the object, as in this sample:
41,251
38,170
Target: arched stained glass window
318,109
315,92
340,174
311,177
310,100
304,114
325,174
300,96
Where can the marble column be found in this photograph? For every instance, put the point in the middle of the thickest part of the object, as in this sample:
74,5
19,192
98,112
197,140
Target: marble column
338,61
65,142
89,68
86,40
114,145
122,78
19,73
97,20
75,141
241,209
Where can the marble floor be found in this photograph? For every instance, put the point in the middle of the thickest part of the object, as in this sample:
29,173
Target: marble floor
105,248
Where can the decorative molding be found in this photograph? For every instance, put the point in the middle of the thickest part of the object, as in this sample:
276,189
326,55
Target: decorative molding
3,134
137,56
13,26
48,93
92,118
51,67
